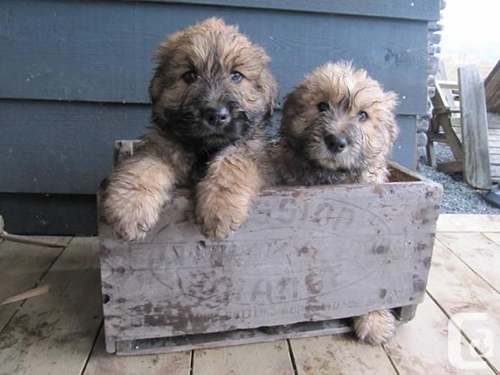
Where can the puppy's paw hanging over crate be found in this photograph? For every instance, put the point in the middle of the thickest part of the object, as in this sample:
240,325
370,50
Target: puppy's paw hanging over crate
130,220
135,196
220,220
226,194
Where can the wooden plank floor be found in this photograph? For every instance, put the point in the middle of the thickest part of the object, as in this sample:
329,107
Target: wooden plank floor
61,332
494,143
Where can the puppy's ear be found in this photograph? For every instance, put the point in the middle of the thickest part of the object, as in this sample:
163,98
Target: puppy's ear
167,47
270,91
256,66
155,86
291,109
163,55
391,102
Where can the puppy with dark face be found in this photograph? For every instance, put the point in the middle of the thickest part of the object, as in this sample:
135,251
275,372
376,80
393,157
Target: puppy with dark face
339,126
212,97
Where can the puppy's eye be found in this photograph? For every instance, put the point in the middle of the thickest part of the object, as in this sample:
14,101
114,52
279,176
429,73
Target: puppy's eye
236,77
362,116
190,77
323,107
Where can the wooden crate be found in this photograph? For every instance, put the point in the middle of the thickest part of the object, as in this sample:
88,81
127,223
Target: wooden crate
306,259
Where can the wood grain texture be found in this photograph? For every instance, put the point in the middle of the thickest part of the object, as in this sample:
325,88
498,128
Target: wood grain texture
101,363
492,89
421,347
404,151
279,268
228,338
442,120
54,333
102,51
21,268
474,123
495,158
421,10
495,237
493,121
478,252
468,223
341,354
458,289
495,173
451,166
64,148
263,359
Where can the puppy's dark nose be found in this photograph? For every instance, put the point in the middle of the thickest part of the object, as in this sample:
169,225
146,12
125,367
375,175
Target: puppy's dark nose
335,143
217,116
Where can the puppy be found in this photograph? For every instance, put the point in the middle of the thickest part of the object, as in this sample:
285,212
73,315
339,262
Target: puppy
339,126
212,96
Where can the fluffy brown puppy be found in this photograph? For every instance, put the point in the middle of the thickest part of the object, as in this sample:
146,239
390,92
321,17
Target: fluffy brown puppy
339,126
212,97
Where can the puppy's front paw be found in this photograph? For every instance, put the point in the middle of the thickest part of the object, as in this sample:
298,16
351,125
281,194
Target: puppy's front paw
131,213
218,222
376,327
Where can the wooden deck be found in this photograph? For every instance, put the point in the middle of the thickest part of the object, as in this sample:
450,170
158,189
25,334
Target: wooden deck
494,143
61,332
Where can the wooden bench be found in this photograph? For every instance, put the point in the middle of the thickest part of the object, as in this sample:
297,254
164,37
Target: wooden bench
464,127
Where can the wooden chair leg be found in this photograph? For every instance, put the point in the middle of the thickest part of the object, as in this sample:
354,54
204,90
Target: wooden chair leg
453,141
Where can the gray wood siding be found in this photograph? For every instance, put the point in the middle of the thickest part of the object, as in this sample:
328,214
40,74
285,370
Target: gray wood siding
407,9
59,147
102,51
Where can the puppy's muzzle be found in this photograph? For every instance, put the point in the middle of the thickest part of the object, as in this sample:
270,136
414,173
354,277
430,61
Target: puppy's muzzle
335,143
216,117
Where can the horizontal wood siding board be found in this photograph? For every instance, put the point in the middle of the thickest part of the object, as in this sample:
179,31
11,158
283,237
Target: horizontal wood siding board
404,151
55,147
60,147
103,51
49,214
408,9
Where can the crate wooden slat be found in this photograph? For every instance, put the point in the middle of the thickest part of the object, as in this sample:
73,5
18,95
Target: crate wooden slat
304,255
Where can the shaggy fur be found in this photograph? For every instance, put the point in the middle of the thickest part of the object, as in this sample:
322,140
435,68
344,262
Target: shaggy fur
212,97
339,126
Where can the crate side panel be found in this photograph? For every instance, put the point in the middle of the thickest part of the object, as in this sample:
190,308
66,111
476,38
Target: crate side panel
304,255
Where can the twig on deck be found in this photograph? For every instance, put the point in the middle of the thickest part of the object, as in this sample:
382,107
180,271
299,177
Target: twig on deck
29,294
23,239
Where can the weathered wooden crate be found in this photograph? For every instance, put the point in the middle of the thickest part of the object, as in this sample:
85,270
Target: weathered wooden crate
305,259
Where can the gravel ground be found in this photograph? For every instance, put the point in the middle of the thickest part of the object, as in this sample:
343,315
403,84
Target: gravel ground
458,198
